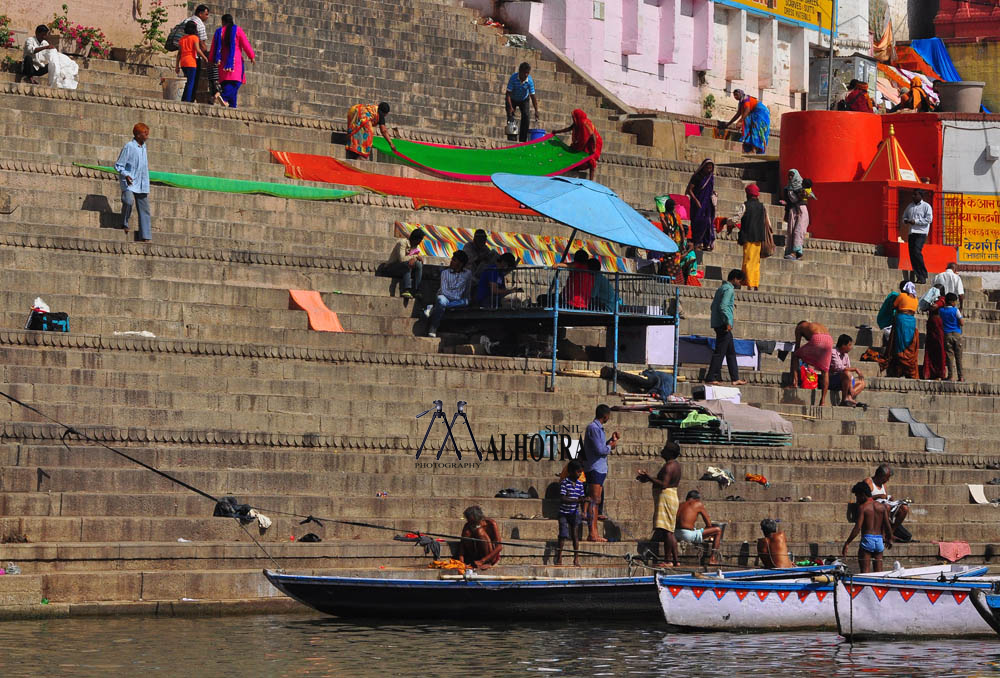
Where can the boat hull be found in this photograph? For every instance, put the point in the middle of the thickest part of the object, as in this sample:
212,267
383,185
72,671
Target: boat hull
795,603
394,599
873,607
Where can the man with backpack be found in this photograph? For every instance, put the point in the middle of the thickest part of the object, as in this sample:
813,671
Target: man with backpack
200,16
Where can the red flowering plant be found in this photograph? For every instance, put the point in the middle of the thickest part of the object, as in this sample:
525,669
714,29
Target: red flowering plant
6,38
100,46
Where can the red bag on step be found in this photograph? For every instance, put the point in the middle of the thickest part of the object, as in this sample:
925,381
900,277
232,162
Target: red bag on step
808,377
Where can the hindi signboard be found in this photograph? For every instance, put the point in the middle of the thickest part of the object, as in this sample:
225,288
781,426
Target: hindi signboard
811,13
973,222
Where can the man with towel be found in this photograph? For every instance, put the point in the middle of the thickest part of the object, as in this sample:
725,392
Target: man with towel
817,352
665,500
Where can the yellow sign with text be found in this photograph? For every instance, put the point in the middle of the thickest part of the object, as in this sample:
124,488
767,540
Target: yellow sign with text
977,218
814,13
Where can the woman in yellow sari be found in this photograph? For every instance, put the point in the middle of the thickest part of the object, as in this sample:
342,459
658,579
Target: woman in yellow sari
362,119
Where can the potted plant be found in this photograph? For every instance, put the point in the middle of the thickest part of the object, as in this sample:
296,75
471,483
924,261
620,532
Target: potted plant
77,39
6,35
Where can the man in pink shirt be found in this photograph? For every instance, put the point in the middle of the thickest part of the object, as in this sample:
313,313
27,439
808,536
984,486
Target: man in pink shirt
848,379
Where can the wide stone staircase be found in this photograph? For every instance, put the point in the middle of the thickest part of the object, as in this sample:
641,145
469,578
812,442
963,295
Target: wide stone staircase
235,395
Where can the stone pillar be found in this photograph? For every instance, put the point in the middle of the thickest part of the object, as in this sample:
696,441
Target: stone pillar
798,60
767,60
735,44
704,24
669,11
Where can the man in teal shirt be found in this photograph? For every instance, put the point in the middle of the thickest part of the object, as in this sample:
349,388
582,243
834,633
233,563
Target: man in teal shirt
723,306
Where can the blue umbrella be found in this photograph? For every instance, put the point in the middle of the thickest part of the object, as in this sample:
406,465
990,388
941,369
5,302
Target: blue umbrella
585,206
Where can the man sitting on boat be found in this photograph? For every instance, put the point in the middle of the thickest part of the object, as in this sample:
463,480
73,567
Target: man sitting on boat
687,517
481,544
665,500
898,510
772,548
873,525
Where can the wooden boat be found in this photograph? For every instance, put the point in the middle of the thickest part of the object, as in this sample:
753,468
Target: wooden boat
749,600
988,606
797,598
872,606
477,597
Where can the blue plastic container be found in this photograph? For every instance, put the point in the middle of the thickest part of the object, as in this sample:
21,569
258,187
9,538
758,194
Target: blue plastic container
536,134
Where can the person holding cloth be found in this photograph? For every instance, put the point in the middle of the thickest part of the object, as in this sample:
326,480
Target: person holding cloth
521,89
918,216
665,500
723,317
596,448
31,67
133,173
188,52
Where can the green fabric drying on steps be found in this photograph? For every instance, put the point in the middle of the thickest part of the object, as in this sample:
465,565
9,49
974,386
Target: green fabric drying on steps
203,183
546,157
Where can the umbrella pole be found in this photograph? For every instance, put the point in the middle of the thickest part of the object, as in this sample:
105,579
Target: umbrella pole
614,382
569,244
555,334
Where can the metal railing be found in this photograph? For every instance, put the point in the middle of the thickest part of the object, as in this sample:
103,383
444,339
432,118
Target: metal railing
569,290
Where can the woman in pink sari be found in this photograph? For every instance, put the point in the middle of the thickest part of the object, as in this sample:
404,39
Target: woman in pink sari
229,44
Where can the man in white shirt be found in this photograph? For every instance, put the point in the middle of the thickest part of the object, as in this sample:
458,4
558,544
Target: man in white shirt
200,16
918,217
951,282
32,68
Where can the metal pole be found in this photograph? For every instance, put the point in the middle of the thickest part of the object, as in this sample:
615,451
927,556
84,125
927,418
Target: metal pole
569,244
677,331
829,74
555,331
614,379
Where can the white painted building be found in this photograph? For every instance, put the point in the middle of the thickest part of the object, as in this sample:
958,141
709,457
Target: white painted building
670,54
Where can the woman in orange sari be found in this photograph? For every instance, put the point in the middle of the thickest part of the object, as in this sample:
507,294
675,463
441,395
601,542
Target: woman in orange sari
585,139
904,341
362,119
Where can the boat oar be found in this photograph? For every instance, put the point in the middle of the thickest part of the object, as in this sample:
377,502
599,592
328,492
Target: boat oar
820,577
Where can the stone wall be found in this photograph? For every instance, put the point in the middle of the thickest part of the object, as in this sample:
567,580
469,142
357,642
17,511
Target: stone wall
670,55
979,60
115,17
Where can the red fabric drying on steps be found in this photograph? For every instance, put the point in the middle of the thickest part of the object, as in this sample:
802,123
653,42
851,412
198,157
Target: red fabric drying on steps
450,195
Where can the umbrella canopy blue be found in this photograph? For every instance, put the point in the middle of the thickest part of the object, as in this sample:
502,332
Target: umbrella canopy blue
586,206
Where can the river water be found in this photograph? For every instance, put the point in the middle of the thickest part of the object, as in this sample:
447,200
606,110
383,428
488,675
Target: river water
313,645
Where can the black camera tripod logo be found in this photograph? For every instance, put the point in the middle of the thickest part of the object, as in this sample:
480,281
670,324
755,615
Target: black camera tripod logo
438,410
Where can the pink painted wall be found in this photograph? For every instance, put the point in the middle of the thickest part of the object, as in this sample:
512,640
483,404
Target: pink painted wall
115,17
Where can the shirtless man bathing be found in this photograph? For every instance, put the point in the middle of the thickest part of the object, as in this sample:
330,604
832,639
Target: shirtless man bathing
875,528
687,517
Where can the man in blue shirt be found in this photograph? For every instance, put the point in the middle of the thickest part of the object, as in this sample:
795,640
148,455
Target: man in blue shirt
952,322
521,88
133,173
596,448
492,290
723,317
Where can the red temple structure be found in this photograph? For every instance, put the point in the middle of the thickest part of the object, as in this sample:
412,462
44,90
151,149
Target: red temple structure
863,177
965,19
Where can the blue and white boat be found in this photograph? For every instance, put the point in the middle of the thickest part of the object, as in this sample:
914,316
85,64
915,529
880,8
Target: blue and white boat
988,606
881,606
797,598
